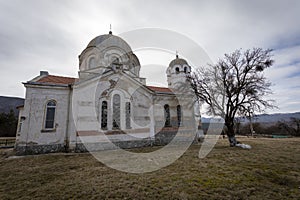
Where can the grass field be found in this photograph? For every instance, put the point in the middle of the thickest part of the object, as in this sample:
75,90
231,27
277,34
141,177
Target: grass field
270,170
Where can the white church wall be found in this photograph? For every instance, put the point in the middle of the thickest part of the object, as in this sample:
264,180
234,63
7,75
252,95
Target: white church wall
83,106
34,131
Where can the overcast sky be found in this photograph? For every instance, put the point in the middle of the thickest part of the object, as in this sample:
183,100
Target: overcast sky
49,35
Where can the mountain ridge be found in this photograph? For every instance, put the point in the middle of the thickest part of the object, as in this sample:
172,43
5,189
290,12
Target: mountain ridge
264,118
8,103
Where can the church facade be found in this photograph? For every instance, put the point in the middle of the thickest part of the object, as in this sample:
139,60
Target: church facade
108,106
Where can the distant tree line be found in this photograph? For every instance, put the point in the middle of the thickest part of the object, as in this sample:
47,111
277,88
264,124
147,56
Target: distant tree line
284,128
291,128
8,124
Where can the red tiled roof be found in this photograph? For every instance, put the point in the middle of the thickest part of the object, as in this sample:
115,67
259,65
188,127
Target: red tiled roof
69,80
159,89
56,79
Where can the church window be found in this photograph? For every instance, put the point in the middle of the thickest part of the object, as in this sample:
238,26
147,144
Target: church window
177,70
116,60
92,62
115,63
185,69
128,113
104,115
50,114
179,115
132,69
116,111
167,115
20,124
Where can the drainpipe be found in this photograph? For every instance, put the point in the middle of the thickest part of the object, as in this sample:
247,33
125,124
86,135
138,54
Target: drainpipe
67,141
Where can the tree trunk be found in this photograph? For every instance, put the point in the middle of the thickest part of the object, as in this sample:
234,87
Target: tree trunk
251,127
231,134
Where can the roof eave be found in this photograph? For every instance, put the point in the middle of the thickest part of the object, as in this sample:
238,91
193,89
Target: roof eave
47,84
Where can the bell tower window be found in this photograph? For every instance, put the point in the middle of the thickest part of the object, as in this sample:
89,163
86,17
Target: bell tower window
185,69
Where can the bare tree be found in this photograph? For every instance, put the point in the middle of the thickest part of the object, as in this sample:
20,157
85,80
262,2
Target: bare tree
292,127
233,85
296,124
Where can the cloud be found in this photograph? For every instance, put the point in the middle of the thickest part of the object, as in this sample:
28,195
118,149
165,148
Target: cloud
49,35
285,75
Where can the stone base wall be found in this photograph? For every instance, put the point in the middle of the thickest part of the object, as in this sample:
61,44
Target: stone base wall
39,149
80,147
162,138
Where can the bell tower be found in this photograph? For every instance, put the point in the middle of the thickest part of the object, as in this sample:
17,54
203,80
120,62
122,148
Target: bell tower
177,71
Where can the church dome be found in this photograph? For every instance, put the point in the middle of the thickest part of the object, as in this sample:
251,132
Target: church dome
105,52
108,40
98,40
178,61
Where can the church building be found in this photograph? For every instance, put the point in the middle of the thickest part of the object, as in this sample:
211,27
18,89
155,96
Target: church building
108,106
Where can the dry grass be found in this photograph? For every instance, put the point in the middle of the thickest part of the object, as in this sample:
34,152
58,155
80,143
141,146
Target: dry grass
271,170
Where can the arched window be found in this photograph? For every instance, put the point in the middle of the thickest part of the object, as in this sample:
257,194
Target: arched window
104,115
167,115
185,69
50,114
92,62
115,63
132,68
115,60
128,113
116,111
178,115
177,70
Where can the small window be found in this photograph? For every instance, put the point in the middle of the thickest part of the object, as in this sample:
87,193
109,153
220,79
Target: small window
115,63
116,60
104,115
128,113
185,69
92,62
132,68
20,124
116,111
50,114
167,116
179,115
177,70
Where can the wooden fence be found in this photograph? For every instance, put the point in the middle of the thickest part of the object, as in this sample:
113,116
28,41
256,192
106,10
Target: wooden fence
7,142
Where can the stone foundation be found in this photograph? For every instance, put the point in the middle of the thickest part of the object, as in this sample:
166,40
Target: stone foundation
162,138
39,149
80,147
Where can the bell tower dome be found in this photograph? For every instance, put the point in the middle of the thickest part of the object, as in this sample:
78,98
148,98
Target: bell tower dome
177,71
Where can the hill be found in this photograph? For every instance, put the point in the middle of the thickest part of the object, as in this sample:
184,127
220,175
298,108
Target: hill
7,103
272,119
265,118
